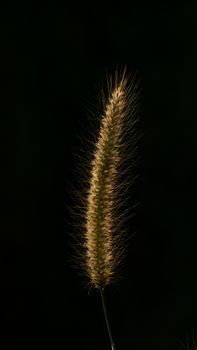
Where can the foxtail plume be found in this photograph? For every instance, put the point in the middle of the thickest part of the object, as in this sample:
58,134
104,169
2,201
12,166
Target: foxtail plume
104,242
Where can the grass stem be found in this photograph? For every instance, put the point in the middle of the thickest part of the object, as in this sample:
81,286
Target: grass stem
106,318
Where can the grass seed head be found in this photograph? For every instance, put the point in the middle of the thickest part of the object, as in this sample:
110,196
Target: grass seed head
101,246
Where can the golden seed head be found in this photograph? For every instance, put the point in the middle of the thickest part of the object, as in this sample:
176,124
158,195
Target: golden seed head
103,245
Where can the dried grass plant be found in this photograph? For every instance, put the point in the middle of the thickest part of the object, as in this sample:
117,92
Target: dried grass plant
101,245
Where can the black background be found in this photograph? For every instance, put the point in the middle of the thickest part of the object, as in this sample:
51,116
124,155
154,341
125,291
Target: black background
54,55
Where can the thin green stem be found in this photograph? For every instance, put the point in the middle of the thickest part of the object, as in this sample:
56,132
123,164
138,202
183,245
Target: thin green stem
106,318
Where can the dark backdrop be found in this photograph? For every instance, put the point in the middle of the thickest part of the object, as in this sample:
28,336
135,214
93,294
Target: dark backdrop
54,55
